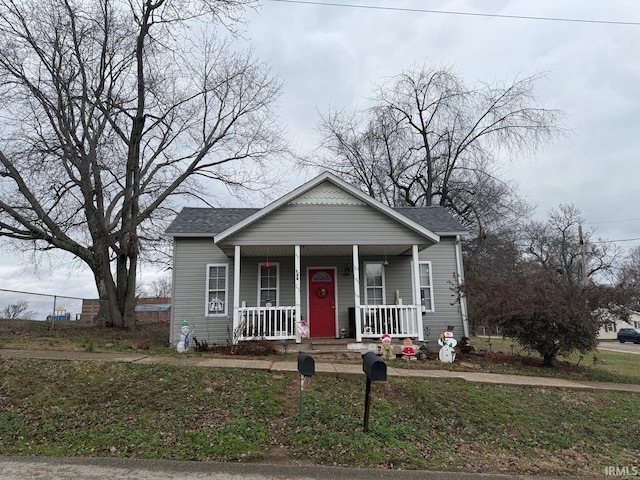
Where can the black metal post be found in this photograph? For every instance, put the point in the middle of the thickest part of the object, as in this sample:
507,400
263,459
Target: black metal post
302,377
367,405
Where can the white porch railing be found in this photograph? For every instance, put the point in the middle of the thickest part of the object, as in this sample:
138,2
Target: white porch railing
395,320
268,323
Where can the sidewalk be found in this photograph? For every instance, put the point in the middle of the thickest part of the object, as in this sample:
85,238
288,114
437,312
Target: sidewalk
321,368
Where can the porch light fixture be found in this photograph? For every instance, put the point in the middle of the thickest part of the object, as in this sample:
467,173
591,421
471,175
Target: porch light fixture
385,263
267,264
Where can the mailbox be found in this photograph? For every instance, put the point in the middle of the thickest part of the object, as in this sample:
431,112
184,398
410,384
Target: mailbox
306,365
374,368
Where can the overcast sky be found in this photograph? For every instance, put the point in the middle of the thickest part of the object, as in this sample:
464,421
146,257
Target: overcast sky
332,56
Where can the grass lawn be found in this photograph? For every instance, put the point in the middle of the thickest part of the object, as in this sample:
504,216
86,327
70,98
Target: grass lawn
77,336
61,408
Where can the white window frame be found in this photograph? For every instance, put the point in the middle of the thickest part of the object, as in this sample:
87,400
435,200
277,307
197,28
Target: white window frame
276,301
207,291
429,287
366,287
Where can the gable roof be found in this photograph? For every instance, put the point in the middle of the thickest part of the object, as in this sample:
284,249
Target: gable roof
198,222
223,222
327,177
436,218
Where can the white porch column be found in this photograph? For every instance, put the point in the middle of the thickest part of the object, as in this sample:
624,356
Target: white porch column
416,291
236,290
356,292
297,291
462,297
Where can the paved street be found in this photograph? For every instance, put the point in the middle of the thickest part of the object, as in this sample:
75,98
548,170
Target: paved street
30,468
619,347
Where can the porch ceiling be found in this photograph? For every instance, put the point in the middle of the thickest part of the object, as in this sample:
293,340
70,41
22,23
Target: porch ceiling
320,250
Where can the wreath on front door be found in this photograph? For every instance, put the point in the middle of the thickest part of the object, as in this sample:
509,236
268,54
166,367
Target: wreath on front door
321,292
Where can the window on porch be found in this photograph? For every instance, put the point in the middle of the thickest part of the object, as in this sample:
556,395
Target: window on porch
426,287
217,289
268,285
374,284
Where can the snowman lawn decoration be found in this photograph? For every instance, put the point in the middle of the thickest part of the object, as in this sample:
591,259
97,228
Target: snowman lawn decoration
183,344
447,342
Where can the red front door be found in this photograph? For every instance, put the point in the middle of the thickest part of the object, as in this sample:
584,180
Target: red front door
322,302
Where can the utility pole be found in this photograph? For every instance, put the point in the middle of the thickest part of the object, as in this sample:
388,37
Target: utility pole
583,255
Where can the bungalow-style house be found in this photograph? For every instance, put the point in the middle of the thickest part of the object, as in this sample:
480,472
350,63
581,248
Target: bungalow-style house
609,331
324,261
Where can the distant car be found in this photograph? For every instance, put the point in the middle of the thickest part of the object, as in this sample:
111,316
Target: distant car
629,335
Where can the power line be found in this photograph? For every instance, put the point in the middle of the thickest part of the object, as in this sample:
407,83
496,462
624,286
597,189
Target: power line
468,14
618,240
614,221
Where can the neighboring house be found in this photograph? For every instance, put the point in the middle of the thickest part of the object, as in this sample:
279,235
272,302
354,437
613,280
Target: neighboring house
609,331
323,261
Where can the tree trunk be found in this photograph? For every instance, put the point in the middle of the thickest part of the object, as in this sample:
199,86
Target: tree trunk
548,359
117,299
127,290
108,314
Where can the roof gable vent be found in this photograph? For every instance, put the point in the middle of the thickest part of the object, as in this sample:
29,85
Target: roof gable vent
326,194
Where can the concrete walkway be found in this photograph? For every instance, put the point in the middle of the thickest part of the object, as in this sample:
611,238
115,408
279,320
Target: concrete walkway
321,368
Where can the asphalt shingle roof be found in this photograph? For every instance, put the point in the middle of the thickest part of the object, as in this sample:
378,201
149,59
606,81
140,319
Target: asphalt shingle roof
436,219
211,221
207,221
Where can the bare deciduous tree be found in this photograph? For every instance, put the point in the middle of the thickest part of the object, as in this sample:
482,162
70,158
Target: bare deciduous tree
544,301
19,310
429,139
110,110
159,288
556,246
629,277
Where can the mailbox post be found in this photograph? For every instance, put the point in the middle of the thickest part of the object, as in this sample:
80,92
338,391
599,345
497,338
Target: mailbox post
307,368
376,371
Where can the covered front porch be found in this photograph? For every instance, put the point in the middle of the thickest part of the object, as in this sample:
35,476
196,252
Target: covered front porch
279,323
337,291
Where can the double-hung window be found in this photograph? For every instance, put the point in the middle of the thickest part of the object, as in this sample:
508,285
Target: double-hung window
268,285
217,289
374,284
426,286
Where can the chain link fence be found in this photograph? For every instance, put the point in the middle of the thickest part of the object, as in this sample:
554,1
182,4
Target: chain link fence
17,305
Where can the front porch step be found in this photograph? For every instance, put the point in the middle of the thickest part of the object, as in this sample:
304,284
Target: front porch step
329,345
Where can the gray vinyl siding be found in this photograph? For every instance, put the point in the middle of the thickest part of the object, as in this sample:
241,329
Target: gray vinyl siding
446,308
326,225
191,256
446,311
